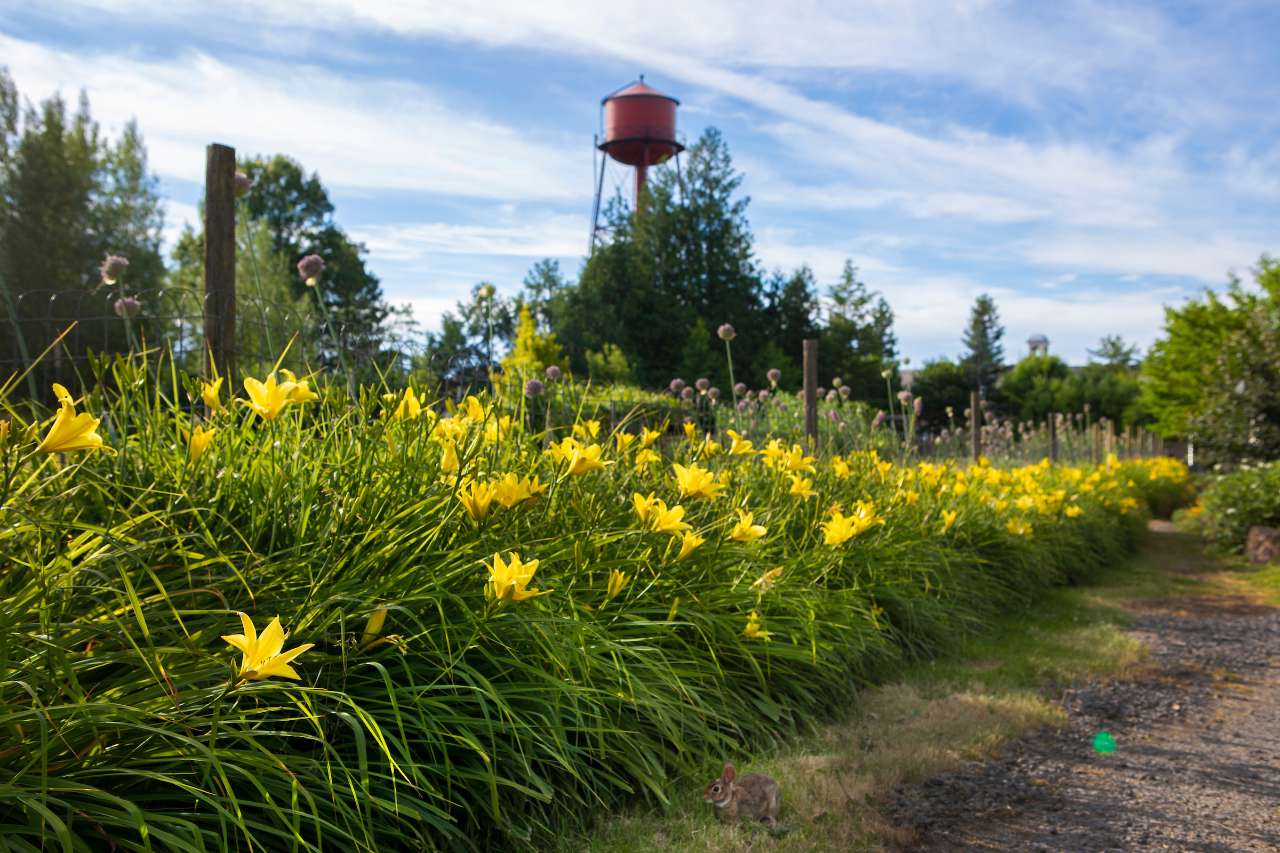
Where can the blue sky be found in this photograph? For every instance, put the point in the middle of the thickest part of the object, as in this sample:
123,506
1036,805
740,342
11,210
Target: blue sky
1084,162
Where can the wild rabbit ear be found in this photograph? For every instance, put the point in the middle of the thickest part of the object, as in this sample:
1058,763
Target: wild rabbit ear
729,771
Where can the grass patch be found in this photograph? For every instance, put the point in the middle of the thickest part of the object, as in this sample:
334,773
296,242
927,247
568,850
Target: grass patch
961,705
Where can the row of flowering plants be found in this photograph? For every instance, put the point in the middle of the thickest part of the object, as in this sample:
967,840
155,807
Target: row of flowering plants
287,618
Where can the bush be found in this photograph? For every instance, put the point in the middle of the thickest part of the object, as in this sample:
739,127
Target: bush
1232,503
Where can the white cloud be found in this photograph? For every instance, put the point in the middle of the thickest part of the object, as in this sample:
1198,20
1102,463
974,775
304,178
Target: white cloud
176,215
538,236
357,131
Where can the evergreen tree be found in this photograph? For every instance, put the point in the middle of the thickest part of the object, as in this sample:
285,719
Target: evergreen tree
858,343
544,288
700,358
942,384
792,309
984,354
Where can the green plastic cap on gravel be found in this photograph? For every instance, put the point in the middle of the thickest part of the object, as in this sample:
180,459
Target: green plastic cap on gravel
1104,743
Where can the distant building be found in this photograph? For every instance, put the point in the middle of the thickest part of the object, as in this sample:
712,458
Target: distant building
1038,344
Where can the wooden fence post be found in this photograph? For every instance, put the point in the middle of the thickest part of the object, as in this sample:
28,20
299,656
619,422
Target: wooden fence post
975,426
1053,438
220,261
811,391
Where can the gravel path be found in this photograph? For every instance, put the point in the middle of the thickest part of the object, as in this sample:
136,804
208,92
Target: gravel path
1197,763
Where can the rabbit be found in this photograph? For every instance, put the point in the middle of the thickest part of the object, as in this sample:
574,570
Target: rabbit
754,796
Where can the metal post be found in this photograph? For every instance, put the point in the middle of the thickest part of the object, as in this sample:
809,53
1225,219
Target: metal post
975,426
220,261
811,390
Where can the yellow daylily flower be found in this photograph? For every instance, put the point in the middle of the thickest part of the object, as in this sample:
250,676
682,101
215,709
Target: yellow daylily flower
509,579
795,462
644,505
1073,511
753,629
745,530
449,463
948,519
624,440
690,430
198,441
209,392
262,654
301,392
1018,527
476,498
649,436
765,582
646,457
696,482
512,490
268,399
709,447
70,431
801,487
664,520
617,583
475,411
688,543
409,407
739,446
373,627
587,429
840,528
840,466
586,459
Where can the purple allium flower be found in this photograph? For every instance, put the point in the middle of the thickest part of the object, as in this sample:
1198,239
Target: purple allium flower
744,406
822,392
243,184
703,384
533,388
878,420
764,395
113,266
845,391
677,385
726,332
713,393
904,396
775,375
918,406
686,393
740,388
127,307
553,372
833,415
831,396
310,267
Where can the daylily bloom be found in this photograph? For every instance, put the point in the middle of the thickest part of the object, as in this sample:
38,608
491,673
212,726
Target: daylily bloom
739,446
801,487
753,629
301,392
948,519
645,457
649,436
840,466
373,627
695,482
644,505
764,583
198,441
1018,527
690,430
512,490
70,431
262,655
624,440
476,498
664,520
840,528
688,542
796,462
209,393
449,459
617,582
410,406
268,398
585,460
745,530
508,580
1073,511
587,429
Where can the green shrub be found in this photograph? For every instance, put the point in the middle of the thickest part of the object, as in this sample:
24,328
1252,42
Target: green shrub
1232,503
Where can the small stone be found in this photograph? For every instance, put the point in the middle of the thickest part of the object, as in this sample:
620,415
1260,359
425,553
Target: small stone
1262,545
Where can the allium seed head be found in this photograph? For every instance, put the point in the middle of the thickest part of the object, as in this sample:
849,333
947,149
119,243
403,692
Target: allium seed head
127,307
243,184
702,384
553,372
686,393
113,266
310,267
740,388
879,419
774,375
726,332
533,388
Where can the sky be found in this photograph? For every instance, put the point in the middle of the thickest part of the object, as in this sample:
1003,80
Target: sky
1086,162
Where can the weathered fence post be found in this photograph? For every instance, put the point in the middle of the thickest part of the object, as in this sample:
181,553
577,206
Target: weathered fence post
811,390
1053,438
975,426
220,261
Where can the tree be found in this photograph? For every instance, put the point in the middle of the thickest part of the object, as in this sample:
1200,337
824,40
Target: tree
942,384
544,288
1177,373
984,354
858,343
1114,352
1034,386
700,359
608,365
792,311
532,351
67,198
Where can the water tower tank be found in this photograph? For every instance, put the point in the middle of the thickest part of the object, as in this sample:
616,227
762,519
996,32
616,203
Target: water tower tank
639,128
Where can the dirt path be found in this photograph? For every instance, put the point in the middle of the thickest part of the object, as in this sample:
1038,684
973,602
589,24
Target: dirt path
1197,759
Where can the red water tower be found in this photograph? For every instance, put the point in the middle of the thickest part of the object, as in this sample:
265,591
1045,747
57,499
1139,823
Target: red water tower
639,125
